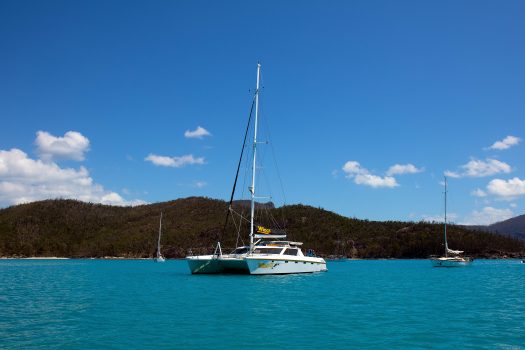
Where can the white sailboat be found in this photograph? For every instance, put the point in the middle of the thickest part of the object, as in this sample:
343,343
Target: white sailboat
452,258
268,251
159,257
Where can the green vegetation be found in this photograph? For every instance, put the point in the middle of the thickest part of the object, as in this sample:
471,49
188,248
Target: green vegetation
69,228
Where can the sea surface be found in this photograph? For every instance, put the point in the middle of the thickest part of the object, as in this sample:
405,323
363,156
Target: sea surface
379,304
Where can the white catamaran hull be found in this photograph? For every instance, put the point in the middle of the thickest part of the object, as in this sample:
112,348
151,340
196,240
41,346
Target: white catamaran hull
209,264
265,266
450,262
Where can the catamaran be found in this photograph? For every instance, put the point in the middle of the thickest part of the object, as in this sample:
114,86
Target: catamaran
452,258
159,257
268,251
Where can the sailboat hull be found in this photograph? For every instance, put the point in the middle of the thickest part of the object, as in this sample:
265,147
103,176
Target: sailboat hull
450,262
262,266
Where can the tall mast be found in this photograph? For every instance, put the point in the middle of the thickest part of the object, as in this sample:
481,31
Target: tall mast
252,187
160,232
446,244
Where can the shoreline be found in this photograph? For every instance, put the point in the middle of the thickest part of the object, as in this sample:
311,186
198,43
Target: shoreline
72,258
129,258
35,258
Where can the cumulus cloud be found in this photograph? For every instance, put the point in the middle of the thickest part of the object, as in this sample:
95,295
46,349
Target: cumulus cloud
487,216
507,189
375,181
23,179
352,168
175,162
480,168
506,143
400,169
198,133
362,176
453,174
73,145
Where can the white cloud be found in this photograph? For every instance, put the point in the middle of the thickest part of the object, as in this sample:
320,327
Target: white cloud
487,216
453,174
478,193
507,188
198,133
375,181
506,143
480,168
73,145
513,205
362,176
174,162
23,179
399,169
160,160
352,168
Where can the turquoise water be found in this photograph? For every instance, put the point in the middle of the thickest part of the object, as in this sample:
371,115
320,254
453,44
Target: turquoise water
400,304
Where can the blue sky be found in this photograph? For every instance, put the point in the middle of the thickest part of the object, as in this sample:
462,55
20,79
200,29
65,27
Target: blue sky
89,91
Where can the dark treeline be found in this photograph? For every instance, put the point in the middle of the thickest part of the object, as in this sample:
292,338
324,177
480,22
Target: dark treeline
69,228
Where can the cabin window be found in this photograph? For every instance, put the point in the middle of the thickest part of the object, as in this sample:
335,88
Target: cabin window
267,250
290,251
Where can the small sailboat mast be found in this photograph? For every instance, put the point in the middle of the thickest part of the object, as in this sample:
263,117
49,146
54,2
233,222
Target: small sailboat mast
159,255
446,244
252,187
451,258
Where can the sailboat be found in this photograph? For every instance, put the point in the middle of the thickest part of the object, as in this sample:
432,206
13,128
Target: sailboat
452,258
159,257
268,251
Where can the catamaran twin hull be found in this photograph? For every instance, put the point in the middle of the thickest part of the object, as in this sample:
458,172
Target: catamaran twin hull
254,265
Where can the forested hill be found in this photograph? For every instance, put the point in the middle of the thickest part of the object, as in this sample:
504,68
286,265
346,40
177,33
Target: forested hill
68,228
514,227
